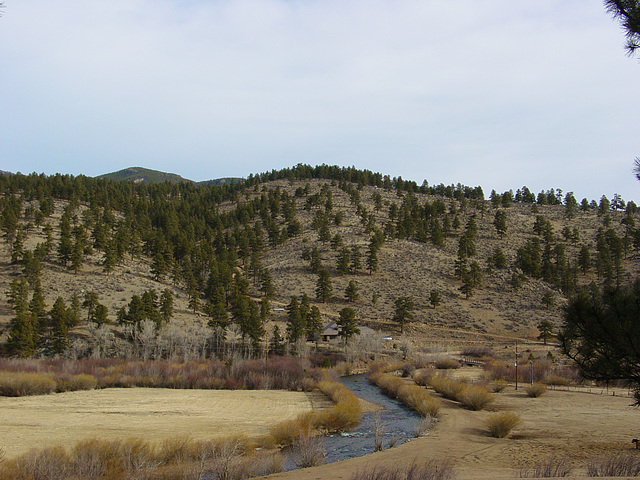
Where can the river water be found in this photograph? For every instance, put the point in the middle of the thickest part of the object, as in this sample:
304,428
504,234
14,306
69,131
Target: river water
399,424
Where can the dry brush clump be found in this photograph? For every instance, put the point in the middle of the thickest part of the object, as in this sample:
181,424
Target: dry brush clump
535,390
182,458
554,466
447,364
474,397
19,384
544,371
423,375
500,424
616,465
414,396
446,387
429,470
343,415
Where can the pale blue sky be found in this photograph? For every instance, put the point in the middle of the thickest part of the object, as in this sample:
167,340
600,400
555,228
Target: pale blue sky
496,93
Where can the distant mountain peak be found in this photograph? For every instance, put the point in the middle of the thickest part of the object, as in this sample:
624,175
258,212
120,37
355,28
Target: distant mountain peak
143,175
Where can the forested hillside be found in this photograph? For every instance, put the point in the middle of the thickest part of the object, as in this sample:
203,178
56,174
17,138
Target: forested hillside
98,267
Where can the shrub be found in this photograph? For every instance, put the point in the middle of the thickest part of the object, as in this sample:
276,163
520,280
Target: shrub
407,369
425,424
498,385
617,465
19,384
421,377
536,390
447,364
446,387
551,467
474,397
307,450
284,433
477,352
501,424
418,399
49,463
72,383
430,470
557,380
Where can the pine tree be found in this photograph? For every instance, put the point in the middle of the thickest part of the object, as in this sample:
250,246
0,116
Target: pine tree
356,263
434,298
295,322
22,339
546,331
342,261
166,305
58,333
351,292
403,311
276,343
324,287
372,258
500,222
347,324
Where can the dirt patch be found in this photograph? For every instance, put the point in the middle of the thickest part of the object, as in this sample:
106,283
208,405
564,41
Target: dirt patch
152,414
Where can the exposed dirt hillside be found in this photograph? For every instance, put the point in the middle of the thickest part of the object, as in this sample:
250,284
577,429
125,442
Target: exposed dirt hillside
406,267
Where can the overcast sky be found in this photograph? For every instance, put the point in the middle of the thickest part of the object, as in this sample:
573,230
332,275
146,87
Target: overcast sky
496,93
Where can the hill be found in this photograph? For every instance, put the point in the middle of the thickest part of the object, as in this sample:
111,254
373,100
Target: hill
233,256
142,175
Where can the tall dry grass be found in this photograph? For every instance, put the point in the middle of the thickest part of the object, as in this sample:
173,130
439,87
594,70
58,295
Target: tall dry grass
182,458
616,465
414,396
428,470
343,415
555,466
32,377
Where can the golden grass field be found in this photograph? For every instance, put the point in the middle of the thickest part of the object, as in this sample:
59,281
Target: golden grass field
148,413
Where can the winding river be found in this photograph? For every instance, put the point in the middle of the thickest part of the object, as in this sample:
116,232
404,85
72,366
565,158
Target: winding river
399,423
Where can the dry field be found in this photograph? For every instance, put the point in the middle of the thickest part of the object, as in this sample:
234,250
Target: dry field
580,425
151,414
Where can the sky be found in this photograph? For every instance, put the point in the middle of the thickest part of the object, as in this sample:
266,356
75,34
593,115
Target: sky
495,93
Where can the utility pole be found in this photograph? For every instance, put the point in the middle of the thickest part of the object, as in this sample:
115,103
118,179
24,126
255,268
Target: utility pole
516,364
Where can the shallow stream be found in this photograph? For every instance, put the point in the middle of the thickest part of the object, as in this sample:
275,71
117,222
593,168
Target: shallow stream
399,423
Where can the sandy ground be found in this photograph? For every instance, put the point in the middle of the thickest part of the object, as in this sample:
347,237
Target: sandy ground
152,414
581,425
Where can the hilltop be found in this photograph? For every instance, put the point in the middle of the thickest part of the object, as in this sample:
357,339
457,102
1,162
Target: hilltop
146,175
499,266
142,175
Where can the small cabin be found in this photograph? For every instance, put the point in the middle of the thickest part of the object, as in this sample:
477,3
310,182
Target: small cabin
330,332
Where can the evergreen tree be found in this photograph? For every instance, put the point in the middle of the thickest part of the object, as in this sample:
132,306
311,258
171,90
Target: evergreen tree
500,222
22,339
342,261
166,305
276,343
372,258
434,298
90,302
295,322
403,311
100,315
351,292
58,333
347,323
355,259
324,286
584,259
